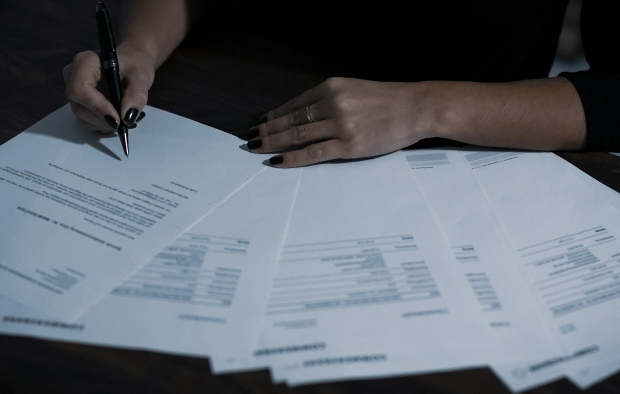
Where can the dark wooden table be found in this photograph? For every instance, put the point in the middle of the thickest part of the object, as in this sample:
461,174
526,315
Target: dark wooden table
225,81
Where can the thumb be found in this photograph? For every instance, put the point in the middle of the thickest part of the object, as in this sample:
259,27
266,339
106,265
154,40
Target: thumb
135,96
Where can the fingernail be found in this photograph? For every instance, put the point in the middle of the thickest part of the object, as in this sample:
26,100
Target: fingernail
252,133
130,116
276,160
255,144
111,121
133,126
262,119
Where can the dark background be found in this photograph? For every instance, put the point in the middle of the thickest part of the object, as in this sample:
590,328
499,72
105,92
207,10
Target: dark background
226,84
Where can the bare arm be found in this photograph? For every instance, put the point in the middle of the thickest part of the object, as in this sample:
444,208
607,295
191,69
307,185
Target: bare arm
156,27
149,31
543,114
354,118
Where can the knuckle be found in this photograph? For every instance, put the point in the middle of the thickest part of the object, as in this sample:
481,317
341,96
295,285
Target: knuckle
300,132
296,103
268,127
292,158
293,118
78,57
82,56
334,83
342,103
348,126
315,152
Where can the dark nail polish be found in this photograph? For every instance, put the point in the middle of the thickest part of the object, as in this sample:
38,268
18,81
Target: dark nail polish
276,160
111,121
133,126
255,144
130,116
262,119
252,133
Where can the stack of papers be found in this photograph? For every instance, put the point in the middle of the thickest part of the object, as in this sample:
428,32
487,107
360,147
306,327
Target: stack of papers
414,262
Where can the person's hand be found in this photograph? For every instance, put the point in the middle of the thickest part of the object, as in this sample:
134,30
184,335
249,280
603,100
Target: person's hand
86,87
339,119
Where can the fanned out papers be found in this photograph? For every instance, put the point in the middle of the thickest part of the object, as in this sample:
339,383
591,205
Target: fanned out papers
416,262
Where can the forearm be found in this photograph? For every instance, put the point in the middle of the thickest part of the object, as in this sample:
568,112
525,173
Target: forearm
155,27
543,114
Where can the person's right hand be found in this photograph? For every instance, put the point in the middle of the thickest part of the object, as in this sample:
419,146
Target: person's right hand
86,89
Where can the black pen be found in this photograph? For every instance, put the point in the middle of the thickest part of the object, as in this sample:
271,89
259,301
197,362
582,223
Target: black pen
109,63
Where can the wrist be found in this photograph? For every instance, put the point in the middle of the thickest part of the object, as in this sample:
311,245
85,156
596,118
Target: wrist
544,114
435,116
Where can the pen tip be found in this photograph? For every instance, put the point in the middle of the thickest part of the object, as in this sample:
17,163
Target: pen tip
124,141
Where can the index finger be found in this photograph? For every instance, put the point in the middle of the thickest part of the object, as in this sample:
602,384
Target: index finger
82,85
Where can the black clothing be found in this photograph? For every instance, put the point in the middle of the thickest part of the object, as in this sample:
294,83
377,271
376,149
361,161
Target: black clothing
599,87
463,40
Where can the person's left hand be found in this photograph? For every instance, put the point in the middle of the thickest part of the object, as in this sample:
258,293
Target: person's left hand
340,119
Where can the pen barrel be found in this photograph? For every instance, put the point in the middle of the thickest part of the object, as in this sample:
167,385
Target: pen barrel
110,69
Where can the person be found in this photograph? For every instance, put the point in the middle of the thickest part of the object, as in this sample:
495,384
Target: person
471,71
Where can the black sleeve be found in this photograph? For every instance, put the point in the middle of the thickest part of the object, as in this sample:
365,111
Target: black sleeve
599,87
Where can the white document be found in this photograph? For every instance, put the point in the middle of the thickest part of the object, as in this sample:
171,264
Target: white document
589,376
486,265
484,258
596,372
565,236
76,219
365,274
614,153
609,194
530,337
202,295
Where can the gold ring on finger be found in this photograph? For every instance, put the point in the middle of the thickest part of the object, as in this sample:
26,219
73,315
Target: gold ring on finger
308,114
